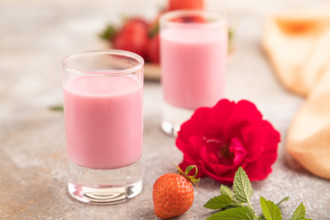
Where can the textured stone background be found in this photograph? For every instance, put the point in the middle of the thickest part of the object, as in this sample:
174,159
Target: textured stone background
36,35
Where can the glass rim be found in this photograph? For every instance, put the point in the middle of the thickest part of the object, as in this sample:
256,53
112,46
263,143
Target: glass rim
220,17
125,71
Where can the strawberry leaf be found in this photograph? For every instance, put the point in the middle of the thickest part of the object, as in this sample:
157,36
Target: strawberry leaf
154,30
108,33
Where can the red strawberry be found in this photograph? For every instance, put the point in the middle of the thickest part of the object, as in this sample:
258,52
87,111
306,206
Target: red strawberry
133,37
153,49
186,4
132,22
173,194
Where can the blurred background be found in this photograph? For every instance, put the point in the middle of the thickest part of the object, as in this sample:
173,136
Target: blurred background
35,35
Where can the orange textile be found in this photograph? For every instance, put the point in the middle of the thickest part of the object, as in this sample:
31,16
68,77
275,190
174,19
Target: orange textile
297,43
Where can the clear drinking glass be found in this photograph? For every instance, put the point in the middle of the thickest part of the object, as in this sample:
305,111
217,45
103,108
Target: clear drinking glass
193,63
103,117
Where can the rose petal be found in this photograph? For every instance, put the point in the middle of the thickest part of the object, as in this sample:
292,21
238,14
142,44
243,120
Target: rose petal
215,168
196,125
255,142
221,112
247,111
273,137
185,147
238,150
225,178
257,171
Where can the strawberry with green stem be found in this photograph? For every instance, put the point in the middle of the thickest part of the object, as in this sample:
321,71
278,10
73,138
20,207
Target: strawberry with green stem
132,36
173,194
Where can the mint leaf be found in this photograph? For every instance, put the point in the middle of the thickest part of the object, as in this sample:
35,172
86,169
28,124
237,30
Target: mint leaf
219,202
224,190
283,200
299,214
242,186
262,217
270,210
241,213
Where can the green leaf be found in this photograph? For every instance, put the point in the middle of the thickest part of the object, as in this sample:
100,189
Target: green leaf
261,217
230,33
240,213
108,33
154,30
242,186
56,108
270,210
189,168
299,214
219,202
283,200
224,190
230,38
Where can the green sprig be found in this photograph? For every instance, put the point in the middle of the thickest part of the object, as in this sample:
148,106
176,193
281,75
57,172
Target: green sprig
236,204
187,171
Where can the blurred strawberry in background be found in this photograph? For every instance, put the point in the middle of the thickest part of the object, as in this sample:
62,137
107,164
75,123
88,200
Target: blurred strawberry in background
140,36
153,49
133,37
185,4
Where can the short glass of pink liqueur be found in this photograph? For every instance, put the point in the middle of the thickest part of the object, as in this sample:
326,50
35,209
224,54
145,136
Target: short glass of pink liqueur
193,63
103,117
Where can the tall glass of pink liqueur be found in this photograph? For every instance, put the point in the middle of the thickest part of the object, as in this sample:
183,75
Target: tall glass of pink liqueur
103,117
193,63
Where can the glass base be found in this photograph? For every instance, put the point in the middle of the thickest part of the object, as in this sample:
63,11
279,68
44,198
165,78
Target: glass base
102,187
173,117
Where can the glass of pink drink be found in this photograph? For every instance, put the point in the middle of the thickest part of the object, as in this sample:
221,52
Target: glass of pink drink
103,117
193,63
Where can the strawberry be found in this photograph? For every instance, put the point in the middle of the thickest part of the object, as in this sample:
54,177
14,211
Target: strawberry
186,4
133,37
153,50
173,194
153,47
131,22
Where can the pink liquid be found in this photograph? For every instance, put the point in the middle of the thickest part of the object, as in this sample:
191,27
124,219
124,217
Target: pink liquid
103,118
193,61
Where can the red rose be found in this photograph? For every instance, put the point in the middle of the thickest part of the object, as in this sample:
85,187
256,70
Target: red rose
221,139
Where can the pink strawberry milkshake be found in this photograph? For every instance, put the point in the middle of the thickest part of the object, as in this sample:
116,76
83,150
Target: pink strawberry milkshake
103,121
193,60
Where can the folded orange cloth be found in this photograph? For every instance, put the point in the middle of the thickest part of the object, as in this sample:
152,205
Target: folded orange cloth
297,43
